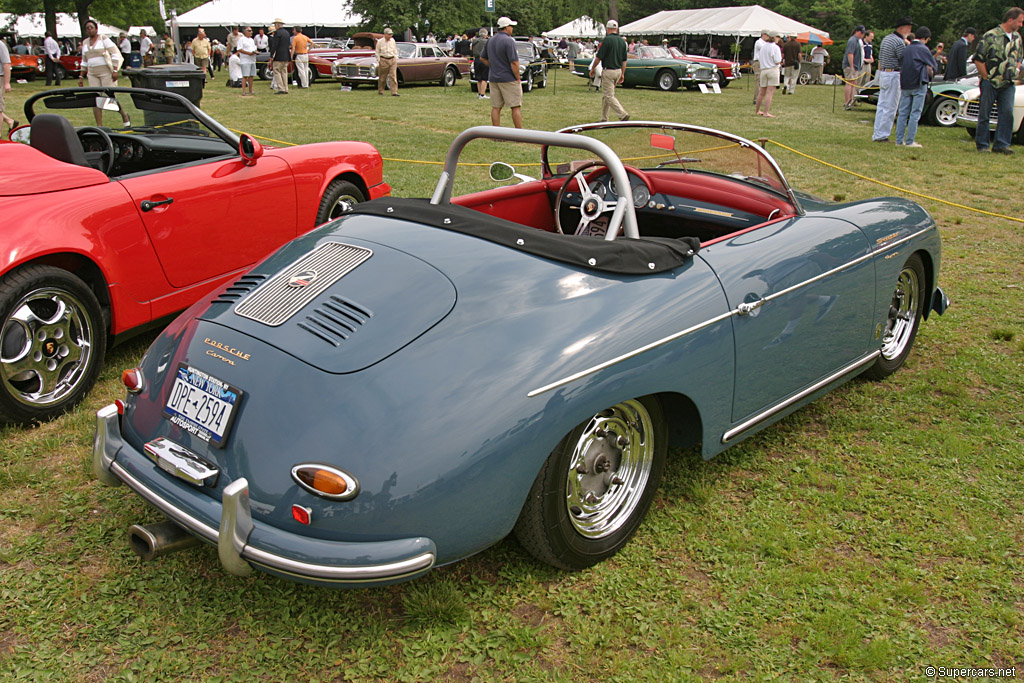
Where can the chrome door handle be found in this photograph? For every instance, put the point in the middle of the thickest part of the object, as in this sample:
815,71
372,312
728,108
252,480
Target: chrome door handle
748,308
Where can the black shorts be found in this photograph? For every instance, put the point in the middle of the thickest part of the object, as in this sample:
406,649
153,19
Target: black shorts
480,70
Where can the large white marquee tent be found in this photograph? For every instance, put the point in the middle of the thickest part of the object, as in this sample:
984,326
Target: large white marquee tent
326,13
584,27
737,22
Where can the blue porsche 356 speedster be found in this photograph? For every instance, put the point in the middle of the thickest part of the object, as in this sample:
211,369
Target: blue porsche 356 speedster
410,383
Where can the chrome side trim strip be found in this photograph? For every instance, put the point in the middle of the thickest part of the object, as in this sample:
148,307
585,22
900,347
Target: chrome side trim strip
779,407
236,535
626,356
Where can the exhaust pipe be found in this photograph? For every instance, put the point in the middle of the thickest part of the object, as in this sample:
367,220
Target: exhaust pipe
153,540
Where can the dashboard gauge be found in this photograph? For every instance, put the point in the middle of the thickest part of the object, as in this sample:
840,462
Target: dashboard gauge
640,196
599,189
139,152
126,151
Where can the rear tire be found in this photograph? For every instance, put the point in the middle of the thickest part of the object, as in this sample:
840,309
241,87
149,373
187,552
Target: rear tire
528,81
52,342
903,320
449,77
339,196
596,486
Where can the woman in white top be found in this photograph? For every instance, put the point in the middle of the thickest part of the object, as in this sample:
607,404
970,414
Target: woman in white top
101,60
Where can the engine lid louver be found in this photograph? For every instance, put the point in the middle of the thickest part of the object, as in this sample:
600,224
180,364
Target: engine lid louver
285,294
336,320
239,288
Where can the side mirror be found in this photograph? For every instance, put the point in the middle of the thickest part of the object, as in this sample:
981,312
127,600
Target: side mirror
22,134
250,149
500,171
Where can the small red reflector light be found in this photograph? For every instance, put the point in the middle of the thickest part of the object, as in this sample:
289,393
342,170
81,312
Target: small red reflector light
302,515
132,380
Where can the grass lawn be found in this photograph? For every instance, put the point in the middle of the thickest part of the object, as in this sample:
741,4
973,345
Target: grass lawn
873,534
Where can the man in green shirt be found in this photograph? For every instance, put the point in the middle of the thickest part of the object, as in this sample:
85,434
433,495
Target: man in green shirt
611,56
998,59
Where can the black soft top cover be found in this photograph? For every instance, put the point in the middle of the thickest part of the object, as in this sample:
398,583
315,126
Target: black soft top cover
622,256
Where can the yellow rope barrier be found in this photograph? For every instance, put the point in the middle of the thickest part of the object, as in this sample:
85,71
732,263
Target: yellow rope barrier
894,187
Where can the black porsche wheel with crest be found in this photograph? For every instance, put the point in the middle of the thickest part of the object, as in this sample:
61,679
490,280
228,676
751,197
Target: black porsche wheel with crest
596,486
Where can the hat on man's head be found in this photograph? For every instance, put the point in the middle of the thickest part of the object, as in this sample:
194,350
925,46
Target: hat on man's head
505,22
279,20
905,21
859,28
923,32
970,29
612,24
388,31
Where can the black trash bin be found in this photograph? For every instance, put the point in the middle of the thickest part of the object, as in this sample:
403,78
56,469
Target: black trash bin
186,80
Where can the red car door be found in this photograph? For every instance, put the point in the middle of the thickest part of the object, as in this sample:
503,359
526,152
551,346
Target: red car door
224,215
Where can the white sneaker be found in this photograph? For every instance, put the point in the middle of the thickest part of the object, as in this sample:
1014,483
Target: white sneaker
913,144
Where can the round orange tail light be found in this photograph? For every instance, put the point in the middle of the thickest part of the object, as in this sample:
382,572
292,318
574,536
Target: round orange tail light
326,481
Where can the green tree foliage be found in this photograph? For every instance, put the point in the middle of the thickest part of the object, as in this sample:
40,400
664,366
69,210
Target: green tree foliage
445,17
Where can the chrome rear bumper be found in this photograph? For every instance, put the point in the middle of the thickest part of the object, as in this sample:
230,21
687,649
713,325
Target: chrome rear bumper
238,537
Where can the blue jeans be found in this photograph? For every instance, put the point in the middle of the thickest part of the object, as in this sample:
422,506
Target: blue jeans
1003,98
911,104
888,99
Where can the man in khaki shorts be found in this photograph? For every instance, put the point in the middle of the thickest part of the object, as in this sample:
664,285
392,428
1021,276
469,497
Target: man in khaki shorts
502,60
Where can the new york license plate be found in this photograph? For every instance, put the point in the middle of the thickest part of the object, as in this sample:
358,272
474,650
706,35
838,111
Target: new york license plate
202,405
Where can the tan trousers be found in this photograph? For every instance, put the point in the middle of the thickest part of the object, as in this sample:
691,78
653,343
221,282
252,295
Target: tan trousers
388,67
609,103
281,76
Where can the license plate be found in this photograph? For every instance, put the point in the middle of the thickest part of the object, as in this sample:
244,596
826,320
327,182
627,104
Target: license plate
202,405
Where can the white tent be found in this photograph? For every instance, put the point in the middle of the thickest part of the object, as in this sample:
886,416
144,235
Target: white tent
34,25
137,30
738,22
584,27
329,13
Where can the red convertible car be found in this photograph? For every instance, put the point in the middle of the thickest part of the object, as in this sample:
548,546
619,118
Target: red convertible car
727,71
27,66
110,228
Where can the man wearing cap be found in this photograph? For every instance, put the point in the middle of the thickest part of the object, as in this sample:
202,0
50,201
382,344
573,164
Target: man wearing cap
280,54
998,58
890,53
502,60
956,63
917,67
386,51
755,60
612,56
853,62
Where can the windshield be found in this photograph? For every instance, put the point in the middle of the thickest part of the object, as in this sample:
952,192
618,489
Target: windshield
406,51
652,52
526,51
124,111
686,149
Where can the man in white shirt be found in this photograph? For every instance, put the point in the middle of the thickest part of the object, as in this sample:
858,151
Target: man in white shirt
146,48
387,62
771,63
755,60
125,46
5,85
246,50
51,51
262,41
819,57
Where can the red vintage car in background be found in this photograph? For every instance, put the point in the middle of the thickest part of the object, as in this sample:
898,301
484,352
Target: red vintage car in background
27,66
111,228
727,71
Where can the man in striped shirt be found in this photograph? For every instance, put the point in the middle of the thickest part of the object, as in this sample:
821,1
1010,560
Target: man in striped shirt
890,52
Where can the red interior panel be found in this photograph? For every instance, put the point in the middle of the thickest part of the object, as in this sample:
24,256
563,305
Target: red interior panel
525,203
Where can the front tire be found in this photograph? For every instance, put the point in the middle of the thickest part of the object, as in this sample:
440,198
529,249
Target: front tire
52,343
543,79
59,72
943,112
903,320
666,80
338,198
596,486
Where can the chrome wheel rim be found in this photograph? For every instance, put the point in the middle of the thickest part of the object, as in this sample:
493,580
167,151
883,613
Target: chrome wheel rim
902,315
449,78
946,113
46,347
665,81
342,205
609,469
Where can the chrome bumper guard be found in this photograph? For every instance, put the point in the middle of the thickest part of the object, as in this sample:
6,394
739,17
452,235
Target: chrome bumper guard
236,525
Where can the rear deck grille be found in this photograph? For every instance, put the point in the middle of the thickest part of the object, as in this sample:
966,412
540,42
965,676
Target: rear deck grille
277,300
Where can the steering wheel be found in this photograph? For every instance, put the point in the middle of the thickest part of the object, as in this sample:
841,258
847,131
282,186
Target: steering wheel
591,205
95,159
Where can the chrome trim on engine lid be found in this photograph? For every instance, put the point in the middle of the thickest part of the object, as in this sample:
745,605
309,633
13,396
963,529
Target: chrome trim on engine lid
284,295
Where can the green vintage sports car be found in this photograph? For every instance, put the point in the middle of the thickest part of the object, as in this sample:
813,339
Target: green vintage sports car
655,67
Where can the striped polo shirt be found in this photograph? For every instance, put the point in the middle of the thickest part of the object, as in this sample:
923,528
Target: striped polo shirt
890,52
